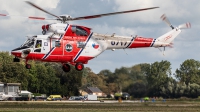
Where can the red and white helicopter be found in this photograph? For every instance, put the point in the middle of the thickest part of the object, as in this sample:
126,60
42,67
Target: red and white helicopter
76,45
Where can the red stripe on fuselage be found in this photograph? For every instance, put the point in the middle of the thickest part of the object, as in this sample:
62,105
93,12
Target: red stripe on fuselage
58,58
53,58
16,54
31,56
141,42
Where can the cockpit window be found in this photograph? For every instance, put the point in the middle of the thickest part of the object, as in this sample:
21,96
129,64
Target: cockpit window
38,46
29,43
79,31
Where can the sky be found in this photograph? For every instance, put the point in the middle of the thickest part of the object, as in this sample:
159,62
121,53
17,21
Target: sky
13,30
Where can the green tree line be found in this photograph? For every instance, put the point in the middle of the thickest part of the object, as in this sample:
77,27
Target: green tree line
145,79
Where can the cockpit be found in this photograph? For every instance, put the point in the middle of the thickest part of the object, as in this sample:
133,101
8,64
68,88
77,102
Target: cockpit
29,42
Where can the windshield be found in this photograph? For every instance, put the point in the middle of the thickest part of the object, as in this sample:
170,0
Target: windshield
29,42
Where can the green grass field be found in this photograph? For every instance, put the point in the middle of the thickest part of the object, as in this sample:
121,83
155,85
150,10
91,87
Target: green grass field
169,106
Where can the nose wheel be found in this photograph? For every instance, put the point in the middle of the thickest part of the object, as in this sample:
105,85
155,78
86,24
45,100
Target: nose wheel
28,66
79,66
66,67
16,59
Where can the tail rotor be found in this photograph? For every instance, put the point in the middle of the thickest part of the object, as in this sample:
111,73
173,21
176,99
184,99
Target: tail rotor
166,39
182,26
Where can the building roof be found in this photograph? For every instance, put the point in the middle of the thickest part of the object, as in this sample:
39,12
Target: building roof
94,89
14,84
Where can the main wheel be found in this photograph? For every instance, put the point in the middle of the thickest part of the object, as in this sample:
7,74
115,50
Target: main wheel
66,67
28,66
79,66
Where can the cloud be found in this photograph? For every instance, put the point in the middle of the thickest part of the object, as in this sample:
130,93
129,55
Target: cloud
145,24
16,28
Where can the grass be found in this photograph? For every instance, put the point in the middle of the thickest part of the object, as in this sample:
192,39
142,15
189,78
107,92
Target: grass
168,106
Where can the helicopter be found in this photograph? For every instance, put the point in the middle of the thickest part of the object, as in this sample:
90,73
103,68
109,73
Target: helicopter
75,45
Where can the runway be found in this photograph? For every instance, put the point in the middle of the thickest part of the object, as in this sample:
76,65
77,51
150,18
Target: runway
75,101
97,106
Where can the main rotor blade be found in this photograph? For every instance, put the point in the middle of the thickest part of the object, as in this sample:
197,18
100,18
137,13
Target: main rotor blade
32,4
29,17
3,15
114,13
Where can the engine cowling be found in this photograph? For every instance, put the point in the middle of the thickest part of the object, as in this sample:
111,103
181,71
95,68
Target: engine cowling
57,28
60,32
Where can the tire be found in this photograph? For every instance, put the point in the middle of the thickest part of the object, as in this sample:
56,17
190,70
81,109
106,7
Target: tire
28,66
79,66
66,67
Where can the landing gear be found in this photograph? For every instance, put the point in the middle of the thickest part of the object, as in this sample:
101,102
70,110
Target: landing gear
66,67
28,66
79,66
16,59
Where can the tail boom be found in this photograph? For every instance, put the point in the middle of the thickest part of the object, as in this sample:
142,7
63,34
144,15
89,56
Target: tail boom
166,39
140,42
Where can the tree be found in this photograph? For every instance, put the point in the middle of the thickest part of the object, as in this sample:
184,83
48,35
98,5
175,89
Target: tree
138,89
137,73
194,90
168,89
12,72
157,75
189,72
71,81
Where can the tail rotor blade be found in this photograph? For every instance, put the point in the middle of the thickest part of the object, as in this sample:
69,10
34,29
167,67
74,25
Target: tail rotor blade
184,26
165,19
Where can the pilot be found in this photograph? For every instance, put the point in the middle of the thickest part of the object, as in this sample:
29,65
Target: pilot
38,45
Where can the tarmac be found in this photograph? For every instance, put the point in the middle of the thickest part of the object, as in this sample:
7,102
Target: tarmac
78,101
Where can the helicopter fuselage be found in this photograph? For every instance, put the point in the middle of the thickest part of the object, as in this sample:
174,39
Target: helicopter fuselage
76,45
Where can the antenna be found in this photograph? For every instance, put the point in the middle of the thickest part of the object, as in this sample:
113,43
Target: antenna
125,51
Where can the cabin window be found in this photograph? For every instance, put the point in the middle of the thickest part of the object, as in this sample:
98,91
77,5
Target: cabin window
79,31
57,43
80,44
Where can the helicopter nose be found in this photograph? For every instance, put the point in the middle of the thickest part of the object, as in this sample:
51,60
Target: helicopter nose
16,54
